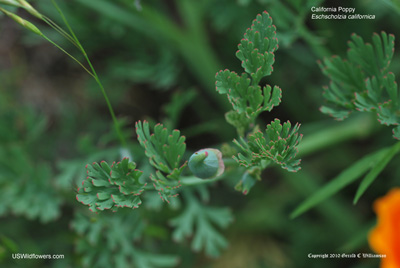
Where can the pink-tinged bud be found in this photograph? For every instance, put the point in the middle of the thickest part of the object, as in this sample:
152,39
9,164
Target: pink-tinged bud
207,163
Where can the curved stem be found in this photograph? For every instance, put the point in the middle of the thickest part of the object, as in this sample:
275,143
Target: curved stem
69,55
95,76
192,180
60,30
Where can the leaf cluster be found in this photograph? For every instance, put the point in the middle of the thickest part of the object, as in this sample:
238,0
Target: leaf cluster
279,142
121,184
165,150
280,147
25,175
256,52
362,82
198,220
113,242
111,187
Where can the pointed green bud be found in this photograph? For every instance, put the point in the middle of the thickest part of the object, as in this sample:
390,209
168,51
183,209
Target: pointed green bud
26,24
30,9
10,3
207,163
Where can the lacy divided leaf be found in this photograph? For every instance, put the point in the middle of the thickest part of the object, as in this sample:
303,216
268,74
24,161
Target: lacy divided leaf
111,187
363,81
107,241
278,145
199,220
165,150
256,51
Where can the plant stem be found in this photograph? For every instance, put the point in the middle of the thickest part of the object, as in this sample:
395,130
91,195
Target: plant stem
356,127
193,181
69,55
189,42
60,30
95,76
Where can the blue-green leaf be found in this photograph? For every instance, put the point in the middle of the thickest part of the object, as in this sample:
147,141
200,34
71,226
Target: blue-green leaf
199,220
256,52
278,145
362,82
111,187
396,132
165,149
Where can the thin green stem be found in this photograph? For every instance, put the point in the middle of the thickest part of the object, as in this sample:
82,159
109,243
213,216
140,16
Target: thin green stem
357,127
60,30
110,108
197,52
193,181
69,55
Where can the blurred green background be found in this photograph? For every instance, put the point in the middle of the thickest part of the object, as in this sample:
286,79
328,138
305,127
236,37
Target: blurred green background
157,60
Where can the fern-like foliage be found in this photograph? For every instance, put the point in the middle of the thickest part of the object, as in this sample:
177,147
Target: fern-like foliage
120,185
111,187
25,179
278,146
279,142
165,150
362,82
256,51
110,242
249,178
200,221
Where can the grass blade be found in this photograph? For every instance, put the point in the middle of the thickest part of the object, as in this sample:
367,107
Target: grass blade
376,170
348,176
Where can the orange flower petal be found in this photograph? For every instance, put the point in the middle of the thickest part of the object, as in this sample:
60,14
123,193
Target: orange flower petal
385,237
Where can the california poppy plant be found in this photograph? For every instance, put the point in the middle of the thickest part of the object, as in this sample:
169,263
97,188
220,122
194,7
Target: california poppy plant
385,237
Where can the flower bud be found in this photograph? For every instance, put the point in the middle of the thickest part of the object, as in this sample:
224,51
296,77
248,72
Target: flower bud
10,3
206,163
28,25
30,9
